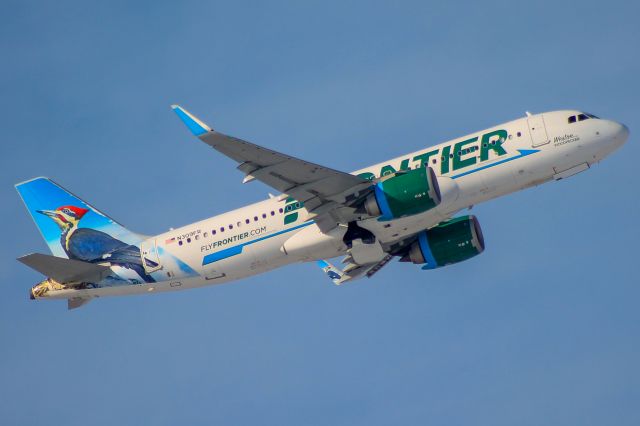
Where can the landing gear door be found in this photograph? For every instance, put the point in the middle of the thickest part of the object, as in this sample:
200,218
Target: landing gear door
537,130
150,256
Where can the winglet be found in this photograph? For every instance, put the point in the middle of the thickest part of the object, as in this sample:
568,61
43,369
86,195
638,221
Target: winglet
335,274
197,127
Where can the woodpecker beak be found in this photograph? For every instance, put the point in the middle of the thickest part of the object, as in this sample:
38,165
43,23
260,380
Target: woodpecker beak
53,215
50,213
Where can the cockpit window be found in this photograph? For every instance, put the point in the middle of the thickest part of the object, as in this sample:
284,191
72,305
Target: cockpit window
581,117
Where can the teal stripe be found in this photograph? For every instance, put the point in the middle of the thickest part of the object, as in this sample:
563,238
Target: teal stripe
235,250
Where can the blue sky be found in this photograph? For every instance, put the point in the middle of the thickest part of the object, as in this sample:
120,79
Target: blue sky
542,328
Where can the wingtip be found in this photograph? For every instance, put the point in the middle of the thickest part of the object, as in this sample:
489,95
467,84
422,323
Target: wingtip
334,274
196,126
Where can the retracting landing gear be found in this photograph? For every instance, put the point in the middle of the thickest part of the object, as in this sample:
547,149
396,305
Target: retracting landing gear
355,232
363,248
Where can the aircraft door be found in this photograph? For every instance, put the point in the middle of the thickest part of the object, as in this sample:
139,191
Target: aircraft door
537,130
150,256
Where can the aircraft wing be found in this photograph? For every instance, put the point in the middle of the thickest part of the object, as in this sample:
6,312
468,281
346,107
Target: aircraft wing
327,194
352,271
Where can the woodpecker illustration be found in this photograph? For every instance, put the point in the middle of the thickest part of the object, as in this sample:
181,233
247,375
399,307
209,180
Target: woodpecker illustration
90,245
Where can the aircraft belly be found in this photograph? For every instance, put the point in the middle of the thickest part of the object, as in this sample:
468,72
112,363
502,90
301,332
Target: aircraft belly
312,244
246,260
267,255
536,169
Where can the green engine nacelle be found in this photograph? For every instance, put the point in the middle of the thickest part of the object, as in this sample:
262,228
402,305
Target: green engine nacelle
449,242
406,194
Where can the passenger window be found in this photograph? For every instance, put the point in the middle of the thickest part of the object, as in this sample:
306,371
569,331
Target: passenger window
264,215
280,210
179,242
188,240
222,229
230,226
519,134
255,218
213,232
572,119
247,221
273,213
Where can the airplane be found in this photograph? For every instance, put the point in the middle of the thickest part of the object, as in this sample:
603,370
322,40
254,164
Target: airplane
409,208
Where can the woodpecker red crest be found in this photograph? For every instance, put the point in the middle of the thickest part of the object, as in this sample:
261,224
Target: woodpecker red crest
78,212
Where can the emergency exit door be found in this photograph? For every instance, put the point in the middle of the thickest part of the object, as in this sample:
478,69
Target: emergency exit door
537,130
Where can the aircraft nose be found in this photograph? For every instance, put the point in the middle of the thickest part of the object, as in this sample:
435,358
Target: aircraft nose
622,134
619,134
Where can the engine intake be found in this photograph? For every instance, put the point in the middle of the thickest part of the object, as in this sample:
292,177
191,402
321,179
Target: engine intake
449,242
406,194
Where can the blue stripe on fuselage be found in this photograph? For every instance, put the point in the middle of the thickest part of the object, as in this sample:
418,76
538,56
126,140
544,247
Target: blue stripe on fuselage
235,250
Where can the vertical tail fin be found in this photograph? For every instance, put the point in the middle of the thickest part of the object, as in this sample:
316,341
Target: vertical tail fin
57,212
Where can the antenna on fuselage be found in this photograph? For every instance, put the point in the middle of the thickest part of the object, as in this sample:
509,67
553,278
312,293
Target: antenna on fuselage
528,113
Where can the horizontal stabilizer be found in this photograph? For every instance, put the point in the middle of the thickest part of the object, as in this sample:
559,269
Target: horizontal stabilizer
65,270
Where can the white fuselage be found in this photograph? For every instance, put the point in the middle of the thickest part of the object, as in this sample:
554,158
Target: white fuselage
255,238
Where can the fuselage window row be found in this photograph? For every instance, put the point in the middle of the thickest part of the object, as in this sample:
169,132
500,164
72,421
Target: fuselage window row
238,224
